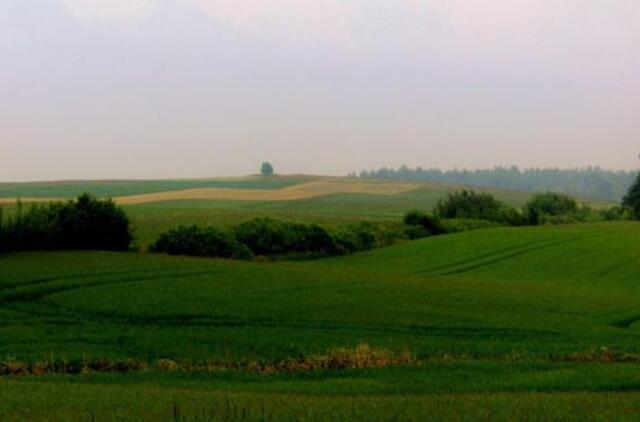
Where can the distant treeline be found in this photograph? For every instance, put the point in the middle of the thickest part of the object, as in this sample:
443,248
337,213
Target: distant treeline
589,182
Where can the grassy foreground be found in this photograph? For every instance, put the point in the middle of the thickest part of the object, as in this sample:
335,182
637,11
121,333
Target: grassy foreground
132,401
492,318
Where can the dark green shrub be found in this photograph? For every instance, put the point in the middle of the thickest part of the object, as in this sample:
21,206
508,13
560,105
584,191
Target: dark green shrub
615,213
457,225
551,208
271,237
84,224
360,237
468,204
313,238
201,242
89,223
419,224
632,198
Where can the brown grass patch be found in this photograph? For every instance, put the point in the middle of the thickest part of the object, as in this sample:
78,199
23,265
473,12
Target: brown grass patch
604,355
361,357
307,190
291,193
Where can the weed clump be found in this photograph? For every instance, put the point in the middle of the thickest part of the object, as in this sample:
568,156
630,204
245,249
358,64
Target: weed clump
604,355
361,357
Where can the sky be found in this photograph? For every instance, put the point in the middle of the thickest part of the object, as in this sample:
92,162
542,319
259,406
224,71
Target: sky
119,89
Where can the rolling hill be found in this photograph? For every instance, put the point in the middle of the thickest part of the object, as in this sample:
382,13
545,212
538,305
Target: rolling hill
542,322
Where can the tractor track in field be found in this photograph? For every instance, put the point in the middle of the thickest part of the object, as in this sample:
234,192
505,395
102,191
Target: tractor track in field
47,280
497,255
625,323
32,301
30,294
70,316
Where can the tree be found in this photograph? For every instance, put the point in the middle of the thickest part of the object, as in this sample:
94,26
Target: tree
266,169
468,204
632,199
545,205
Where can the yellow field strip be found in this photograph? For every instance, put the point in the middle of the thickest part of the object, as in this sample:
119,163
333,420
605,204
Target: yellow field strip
12,201
290,193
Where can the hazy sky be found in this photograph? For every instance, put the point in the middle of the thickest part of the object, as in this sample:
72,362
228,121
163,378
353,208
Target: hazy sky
180,88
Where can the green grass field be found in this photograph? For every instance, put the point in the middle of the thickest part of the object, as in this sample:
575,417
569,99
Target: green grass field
112,188
331,210
489,316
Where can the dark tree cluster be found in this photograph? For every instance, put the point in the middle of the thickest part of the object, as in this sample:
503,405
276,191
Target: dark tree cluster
471,205
270,237
590,182
84,224
632,198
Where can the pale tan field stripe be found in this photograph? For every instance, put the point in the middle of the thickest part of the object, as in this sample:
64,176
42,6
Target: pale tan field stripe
291,193
13,201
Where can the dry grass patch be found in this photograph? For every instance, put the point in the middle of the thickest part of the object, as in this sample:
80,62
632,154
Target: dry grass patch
291,193
361,357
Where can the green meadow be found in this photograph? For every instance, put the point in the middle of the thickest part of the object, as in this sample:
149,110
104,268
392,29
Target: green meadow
332,210
527,323
112,188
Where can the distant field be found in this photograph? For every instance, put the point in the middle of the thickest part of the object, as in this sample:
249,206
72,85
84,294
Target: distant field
274,188
331,210
329,201
136,187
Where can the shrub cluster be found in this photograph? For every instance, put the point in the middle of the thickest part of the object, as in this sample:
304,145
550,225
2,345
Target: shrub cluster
84,224
457,225
543,208
631,200
550,207
270,237
366,235
471,205
419,224
201,242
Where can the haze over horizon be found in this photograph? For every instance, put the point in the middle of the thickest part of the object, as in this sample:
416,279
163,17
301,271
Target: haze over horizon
120,89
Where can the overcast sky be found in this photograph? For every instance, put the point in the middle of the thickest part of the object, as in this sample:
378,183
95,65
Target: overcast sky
181,88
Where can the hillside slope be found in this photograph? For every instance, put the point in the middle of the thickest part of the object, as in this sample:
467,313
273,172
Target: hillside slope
540,290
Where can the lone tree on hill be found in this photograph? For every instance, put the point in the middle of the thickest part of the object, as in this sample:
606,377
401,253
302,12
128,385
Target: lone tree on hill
632,199
266,169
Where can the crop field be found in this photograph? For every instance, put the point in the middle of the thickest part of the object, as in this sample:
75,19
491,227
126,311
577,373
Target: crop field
115,188
539,322
155,206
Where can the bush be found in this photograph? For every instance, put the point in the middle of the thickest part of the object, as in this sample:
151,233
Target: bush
615,213
84,224
201,242
458,225
419,224
552,208
271,237
467,204
632,198
362,237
